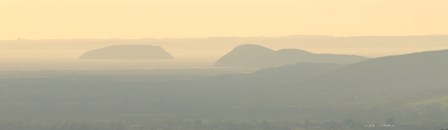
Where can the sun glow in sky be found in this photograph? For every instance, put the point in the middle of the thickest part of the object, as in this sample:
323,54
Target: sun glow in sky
71,19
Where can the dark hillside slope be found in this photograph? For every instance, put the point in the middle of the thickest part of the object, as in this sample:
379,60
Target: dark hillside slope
396,79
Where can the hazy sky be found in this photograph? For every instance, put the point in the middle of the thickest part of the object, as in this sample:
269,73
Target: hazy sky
55,19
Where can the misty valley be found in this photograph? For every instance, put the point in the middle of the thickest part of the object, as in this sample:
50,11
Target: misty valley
250,88
223,64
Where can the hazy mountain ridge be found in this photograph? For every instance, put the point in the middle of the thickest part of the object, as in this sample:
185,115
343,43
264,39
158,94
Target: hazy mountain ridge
257,56
370,46
127,52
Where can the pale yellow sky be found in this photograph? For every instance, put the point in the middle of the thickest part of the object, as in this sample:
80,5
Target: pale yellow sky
72,19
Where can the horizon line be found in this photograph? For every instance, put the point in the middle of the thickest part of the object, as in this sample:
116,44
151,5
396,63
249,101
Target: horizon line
211,37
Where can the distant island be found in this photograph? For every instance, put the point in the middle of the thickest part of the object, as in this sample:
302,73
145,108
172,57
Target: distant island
127,52
256,56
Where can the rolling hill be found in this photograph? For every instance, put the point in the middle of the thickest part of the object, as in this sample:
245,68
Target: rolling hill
127,52
256,56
